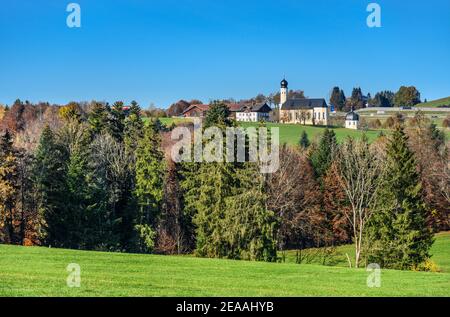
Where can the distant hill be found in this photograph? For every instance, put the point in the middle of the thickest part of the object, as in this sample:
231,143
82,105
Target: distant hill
436,103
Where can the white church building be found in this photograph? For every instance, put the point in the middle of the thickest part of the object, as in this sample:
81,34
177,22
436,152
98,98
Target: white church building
304,111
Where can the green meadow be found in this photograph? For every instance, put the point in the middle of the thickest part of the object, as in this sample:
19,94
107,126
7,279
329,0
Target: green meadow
290,133
36,271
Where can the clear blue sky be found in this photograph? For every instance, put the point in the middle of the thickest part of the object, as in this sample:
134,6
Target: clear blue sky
163,51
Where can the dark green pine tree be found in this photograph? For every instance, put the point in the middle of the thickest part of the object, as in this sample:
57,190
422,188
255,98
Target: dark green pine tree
250,227
82,233
117,121
98,118
150,171
216,183
49,173
134,127
398,234
304,140
217,115
321,157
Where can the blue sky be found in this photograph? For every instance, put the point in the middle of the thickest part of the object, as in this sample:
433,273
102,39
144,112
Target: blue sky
162,51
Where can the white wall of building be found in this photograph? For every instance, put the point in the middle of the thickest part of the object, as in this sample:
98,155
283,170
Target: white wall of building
351,124
321,116
252,116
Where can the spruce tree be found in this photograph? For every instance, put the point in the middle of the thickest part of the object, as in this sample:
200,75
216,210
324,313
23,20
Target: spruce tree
304,141
49,171
321,157
398,236
150,169
250,226
98,118
216,183
134,127
117,121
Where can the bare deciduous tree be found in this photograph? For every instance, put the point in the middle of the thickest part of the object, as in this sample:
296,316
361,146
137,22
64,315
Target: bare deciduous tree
360,169
295,197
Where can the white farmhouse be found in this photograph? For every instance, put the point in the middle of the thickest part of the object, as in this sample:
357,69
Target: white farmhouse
352,120
254,113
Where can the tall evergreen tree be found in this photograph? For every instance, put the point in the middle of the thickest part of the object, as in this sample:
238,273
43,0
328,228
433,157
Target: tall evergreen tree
98,118
398,236
117,121
49,174
321,157
149,180
216,183
134,127
249,227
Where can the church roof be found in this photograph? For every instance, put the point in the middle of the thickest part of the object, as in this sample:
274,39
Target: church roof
352,116
304,103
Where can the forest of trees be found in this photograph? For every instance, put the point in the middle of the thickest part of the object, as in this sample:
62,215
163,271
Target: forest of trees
91,176
404,97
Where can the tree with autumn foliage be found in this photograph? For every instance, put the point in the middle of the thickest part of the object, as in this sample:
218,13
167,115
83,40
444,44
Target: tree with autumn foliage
8,189
336,205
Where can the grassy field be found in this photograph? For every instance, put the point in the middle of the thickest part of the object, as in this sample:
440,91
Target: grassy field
290,133
42,272
440,254
435,103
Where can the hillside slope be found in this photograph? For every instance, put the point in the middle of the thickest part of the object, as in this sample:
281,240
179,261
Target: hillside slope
42,272
435,103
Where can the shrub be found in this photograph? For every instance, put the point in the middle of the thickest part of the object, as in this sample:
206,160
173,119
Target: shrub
446,122
427,266
389,123
375,124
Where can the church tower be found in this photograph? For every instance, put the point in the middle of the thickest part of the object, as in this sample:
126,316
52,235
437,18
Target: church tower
283,92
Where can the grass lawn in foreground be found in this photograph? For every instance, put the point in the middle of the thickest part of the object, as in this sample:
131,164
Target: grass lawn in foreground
35,271
440,254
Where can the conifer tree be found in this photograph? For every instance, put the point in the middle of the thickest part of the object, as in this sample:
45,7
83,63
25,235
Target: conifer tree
249,227
49,174
399,237
216,182
304,141
217,115
149,183
117,121
98,118
321,157
134,127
